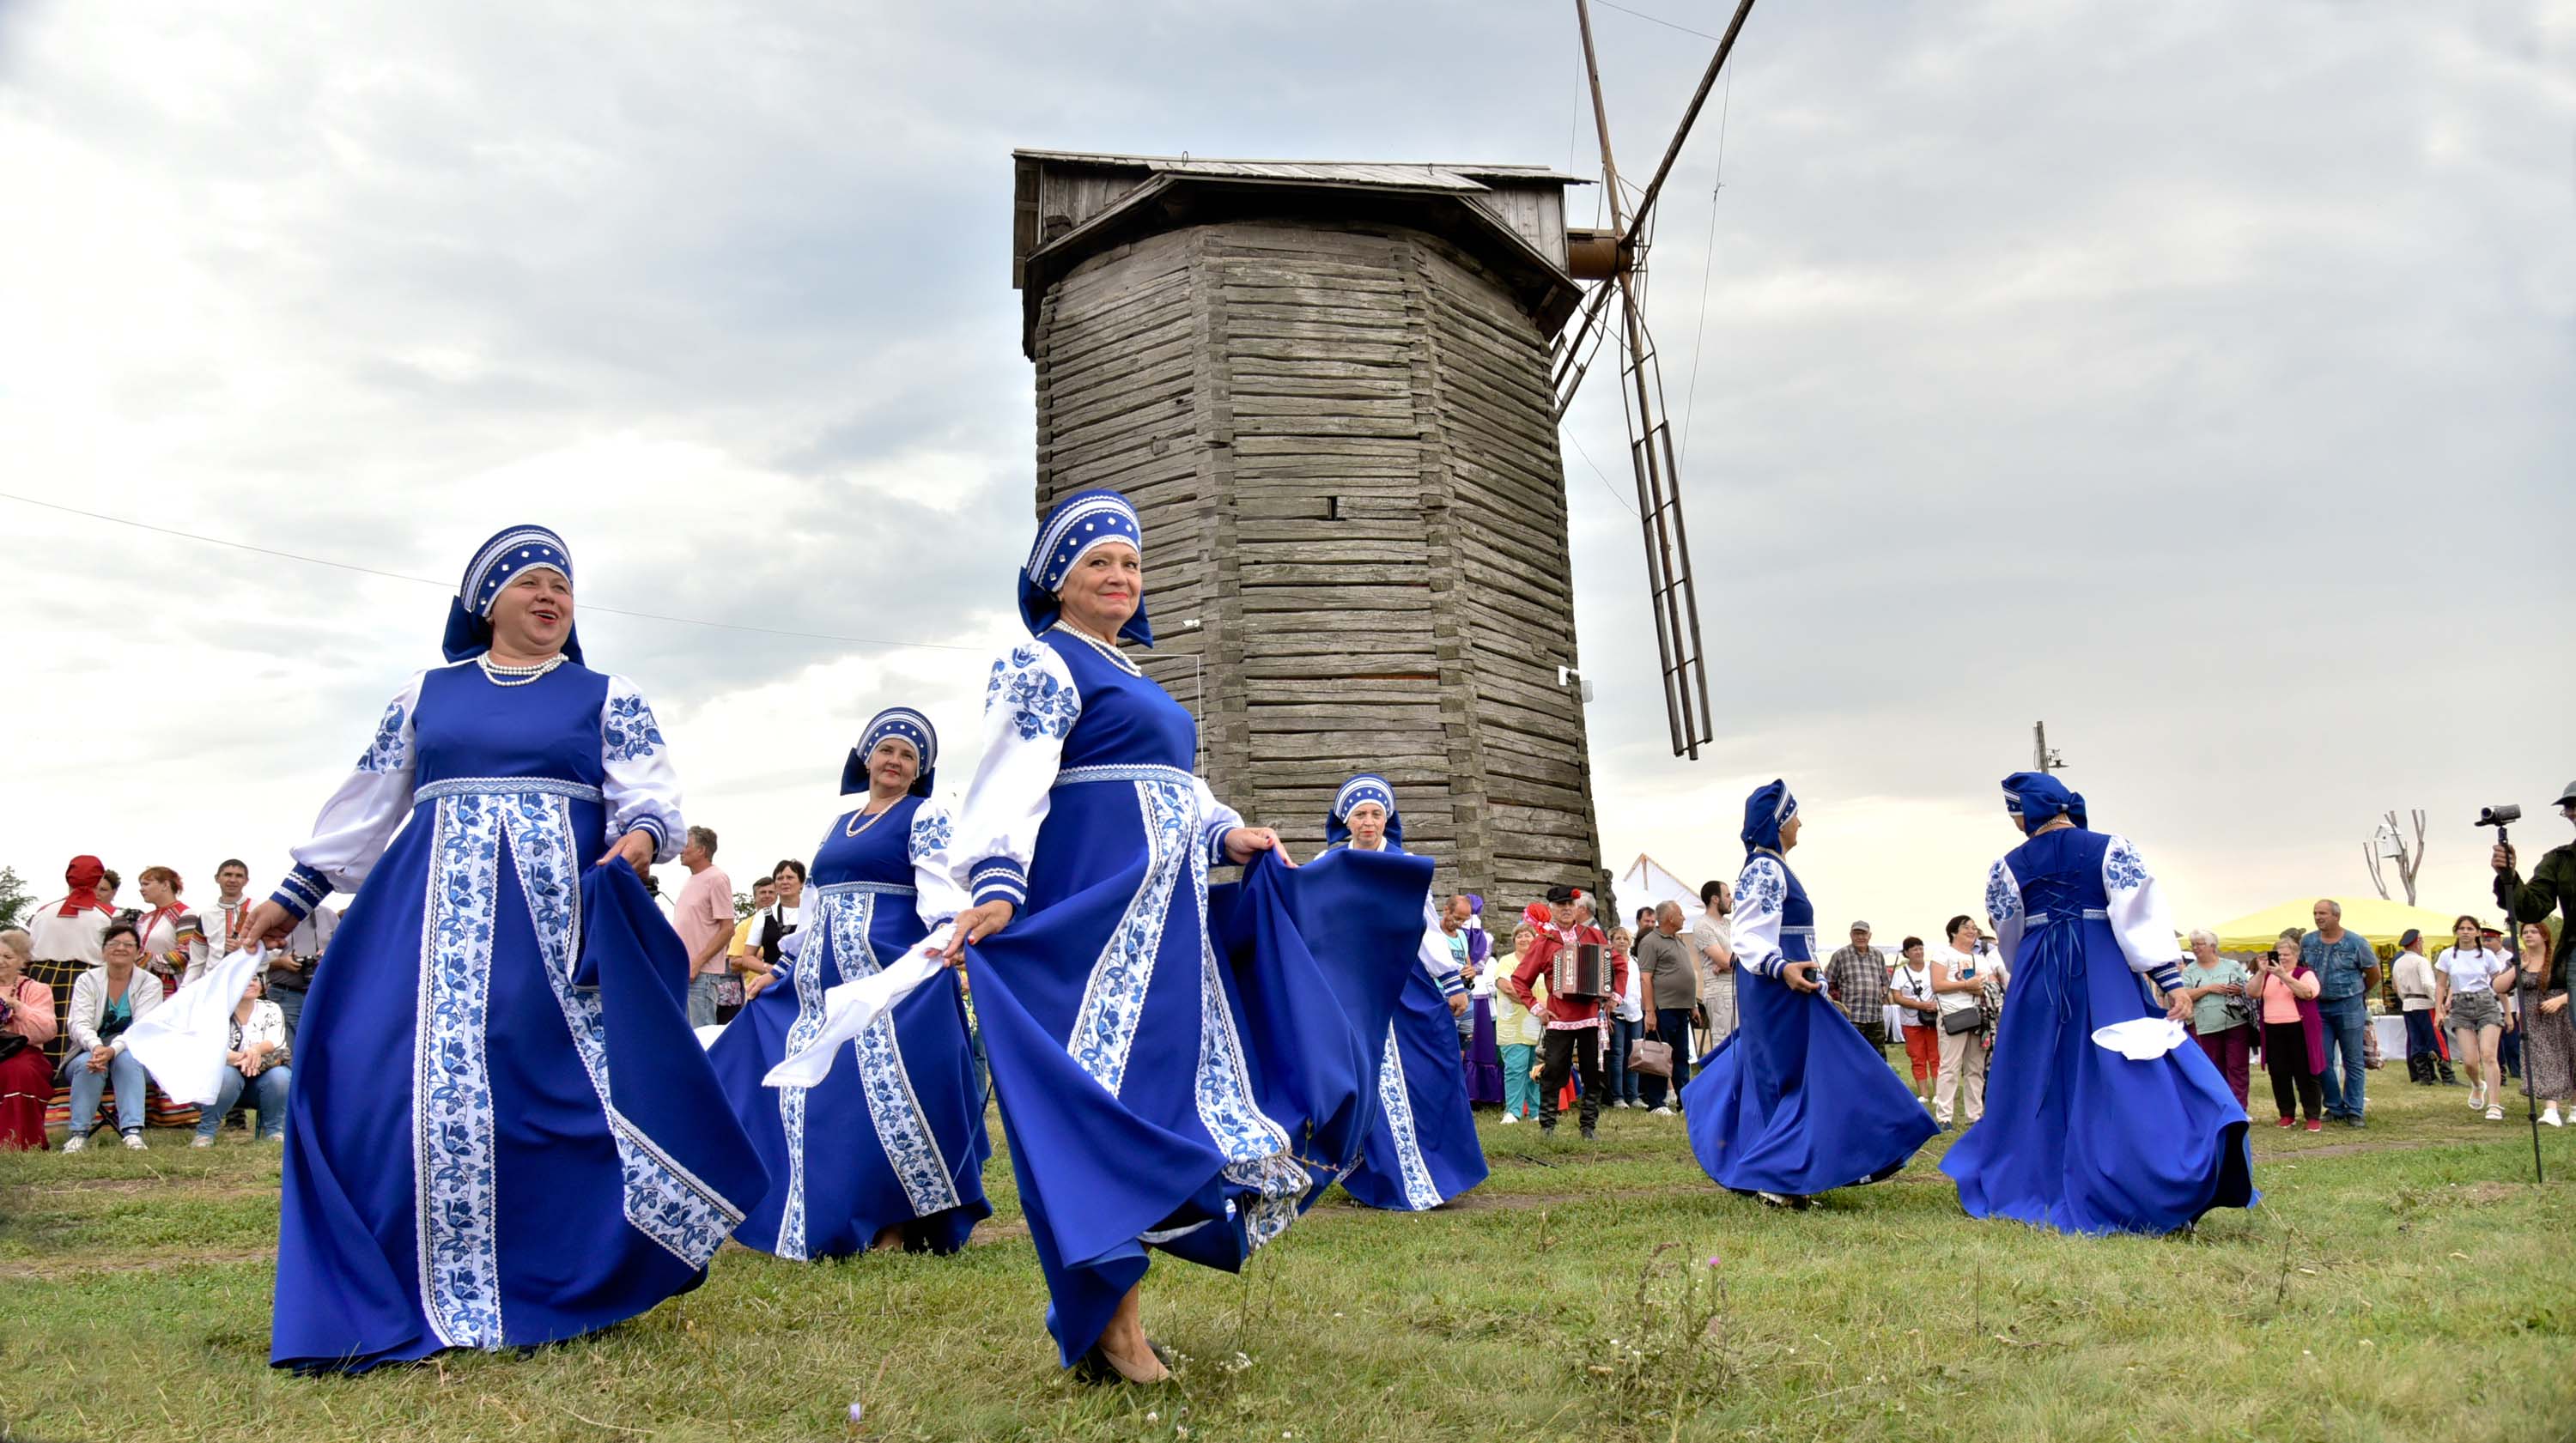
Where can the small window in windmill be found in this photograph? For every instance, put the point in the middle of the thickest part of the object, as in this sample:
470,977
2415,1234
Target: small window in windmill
1332,508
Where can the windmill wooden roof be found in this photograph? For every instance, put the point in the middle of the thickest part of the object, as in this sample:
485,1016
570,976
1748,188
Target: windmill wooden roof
1071,205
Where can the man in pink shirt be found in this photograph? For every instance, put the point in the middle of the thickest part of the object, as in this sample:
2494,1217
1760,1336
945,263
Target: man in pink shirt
704,918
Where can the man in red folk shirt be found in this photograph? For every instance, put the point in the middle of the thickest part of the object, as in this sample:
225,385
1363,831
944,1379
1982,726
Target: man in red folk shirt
1573,1024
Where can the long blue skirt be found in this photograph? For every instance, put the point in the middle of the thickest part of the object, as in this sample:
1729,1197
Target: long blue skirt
894,1135
1424,1150
2079,1138
545,1219
1796,1101
1245,1078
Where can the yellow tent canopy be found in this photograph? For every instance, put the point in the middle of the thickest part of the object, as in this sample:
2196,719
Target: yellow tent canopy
2383,922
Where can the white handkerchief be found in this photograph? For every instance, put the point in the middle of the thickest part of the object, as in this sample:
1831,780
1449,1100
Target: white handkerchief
182,1042
2142,1040
851,1009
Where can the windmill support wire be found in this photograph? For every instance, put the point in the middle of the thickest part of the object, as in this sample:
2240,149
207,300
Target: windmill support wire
1690,116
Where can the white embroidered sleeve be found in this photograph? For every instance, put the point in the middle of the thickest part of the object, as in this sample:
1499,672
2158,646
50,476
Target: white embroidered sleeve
643,791
2138,917
1437,957
2004,910
1215,820
936,895
1030,704
362,816
1760,892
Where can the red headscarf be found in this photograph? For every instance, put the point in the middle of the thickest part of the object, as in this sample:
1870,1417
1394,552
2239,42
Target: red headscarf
83,877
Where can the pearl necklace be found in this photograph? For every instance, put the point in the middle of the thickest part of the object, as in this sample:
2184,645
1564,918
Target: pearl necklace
500,675
855,827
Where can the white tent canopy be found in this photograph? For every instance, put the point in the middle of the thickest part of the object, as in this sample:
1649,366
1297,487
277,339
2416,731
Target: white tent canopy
1648,882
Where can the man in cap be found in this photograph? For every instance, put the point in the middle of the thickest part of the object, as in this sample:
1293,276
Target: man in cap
2552,885
1856,978
1573,1024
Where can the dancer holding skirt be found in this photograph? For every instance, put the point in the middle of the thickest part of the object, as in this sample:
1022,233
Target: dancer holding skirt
499,1129
1795,1101
1423,1151
889,1149
2079,1136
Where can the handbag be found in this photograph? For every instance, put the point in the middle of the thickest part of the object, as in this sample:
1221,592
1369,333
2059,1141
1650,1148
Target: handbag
1966,1019
1651,1057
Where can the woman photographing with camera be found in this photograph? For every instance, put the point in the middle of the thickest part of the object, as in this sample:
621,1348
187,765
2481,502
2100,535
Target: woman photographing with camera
2284,995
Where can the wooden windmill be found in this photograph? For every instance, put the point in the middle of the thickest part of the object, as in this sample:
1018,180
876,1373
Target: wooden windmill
1330,389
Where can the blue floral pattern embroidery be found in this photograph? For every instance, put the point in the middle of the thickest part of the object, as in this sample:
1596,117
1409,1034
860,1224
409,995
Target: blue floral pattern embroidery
660,1198
1113,1000
1040,704
1395,1103
2003,899
931,833
452,1113
2121,867
391,750
627,731
1761,887
1260,1157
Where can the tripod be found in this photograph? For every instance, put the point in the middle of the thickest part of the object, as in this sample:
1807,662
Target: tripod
2530,1095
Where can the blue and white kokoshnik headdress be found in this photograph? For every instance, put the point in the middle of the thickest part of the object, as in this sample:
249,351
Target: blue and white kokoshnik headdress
1764,812
894,721
1078,523
1366,787
498,562
2037,797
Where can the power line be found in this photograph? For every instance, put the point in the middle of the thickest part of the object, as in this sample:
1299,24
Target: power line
443,586
1597,471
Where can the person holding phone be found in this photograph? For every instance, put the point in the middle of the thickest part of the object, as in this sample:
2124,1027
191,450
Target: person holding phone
1958,989
2284,994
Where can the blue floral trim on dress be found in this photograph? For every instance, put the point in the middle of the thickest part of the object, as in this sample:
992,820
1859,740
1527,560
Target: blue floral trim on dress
894,1106
1040,704
627,731
2122,868
391,749
1396,1103
1113,999
1761,886
807,974
1261,1158
456,1192
661,1199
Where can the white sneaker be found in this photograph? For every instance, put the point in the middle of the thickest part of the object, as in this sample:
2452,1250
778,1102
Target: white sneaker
75,1144
1659,1112
201,1140
134,1142
2550,1116
1509,1119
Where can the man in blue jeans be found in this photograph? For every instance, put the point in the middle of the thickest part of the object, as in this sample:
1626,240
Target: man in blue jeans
2347,973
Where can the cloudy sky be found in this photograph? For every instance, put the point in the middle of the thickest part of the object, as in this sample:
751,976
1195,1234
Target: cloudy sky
2199,377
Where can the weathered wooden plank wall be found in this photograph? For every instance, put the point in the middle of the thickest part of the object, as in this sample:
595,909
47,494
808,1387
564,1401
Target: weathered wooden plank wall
1340,439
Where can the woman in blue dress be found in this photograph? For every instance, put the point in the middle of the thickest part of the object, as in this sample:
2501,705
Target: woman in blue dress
1423,1151
1175,1068
1795,1101
498,1134
889,1149
2077,1136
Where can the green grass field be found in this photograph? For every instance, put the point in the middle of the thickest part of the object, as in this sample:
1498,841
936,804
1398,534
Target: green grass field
2404,1282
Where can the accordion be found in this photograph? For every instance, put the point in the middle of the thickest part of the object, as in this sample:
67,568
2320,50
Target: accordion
1579,974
